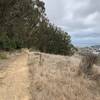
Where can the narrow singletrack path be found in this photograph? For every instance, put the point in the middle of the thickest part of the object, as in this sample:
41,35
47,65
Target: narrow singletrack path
14,81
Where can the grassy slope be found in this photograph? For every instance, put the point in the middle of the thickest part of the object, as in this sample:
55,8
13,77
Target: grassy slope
56,79
51,77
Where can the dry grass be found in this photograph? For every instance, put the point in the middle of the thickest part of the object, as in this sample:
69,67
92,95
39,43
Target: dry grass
56,79
40,76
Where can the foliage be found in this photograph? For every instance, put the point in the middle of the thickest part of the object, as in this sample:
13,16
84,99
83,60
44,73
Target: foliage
87,63
3,55
23,24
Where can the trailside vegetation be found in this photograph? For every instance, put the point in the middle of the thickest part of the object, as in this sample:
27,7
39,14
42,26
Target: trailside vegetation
23,24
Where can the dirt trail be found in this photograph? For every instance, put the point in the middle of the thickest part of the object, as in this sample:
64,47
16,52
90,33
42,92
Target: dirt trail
14,81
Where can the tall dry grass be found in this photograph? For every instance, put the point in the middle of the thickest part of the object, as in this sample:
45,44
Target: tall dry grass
53,77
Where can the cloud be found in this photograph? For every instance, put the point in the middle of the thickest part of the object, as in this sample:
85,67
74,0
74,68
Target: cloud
80,18
85,35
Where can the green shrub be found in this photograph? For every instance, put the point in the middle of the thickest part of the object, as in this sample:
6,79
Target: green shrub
98,60
87,63
3,56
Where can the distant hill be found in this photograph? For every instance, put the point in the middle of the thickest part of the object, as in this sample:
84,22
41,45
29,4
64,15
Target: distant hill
96,46
92,49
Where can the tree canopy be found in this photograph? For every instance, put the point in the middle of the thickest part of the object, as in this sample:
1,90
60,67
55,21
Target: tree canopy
23,24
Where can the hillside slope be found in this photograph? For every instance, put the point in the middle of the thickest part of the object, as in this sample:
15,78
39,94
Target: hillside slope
39,76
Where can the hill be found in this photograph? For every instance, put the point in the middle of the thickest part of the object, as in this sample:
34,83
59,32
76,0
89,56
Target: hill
93,49
39,76
96,46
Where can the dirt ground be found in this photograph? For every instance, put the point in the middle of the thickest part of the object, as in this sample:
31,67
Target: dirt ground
14,81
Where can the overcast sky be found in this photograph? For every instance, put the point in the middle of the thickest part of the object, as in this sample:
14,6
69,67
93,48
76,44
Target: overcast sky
80,18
